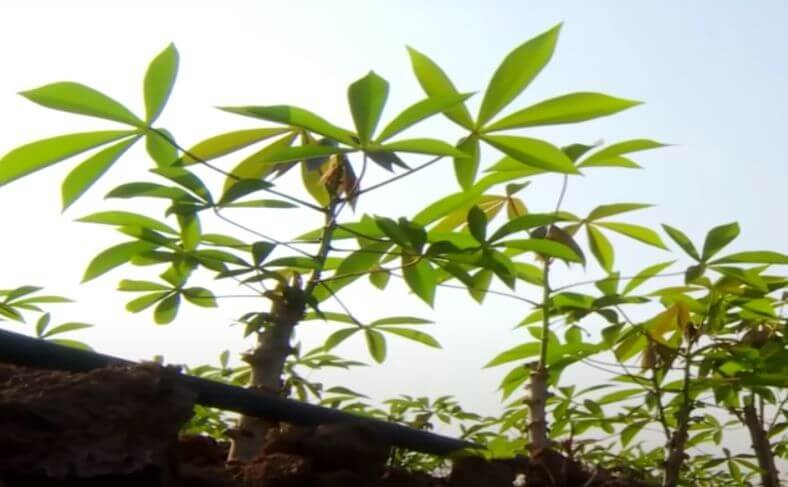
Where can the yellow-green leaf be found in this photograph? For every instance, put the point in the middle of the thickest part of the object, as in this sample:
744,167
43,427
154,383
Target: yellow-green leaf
159,80
68,96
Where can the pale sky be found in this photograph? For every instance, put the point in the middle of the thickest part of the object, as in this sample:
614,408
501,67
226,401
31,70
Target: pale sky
712,75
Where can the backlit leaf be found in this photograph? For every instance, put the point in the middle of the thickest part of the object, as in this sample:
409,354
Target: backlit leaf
68,96
516,72
611,155
113,257
82,177
435,83
420,111
367,97
571,108
223,144
159,80
718,238
637,232
40,154
533,152
296,117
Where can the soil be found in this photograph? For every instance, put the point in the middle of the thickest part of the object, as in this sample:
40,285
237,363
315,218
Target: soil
118,426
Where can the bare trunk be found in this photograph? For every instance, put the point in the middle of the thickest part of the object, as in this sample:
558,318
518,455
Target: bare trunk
763,449
537,401
267,363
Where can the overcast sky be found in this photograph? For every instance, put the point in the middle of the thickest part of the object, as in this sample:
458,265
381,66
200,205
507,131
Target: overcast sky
712,75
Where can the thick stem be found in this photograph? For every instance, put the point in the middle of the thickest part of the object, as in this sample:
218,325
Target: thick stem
267,360
678,440
537,399
770,477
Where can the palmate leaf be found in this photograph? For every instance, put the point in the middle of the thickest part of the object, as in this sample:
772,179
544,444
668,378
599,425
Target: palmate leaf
612,154
545,247
82,177
636,232
435,83
420,277
367,97
296,117
68,96
167,309
376,344
645,275
718,238
601,248
571,108
414,335
604,211
682,240
532,152
40,154
754,257
465,168
115,256
160,145
420,111
516,72
423,146
252,168
223,144
124,218
159,80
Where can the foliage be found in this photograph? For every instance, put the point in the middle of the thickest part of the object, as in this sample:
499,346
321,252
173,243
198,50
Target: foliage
688,360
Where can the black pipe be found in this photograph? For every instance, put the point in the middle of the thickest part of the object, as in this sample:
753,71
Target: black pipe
32,352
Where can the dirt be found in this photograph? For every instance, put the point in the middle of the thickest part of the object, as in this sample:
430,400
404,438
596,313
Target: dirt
119,426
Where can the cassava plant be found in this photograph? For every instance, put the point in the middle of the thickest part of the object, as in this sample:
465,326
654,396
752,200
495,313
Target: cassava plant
719,336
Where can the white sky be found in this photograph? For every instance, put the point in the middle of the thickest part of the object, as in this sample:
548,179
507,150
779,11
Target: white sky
712,75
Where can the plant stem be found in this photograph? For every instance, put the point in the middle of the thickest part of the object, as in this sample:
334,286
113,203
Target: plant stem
678,440
770,477
267,360
537,400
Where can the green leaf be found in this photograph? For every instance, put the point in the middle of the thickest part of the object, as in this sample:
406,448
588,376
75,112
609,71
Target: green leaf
376,344
9,312
113,257
629,432
242,188
160,147
477,224
67,96
522,223
518,353
415,335
200,296
159,80
400,320
167,309
604,211
533,152
601,248
152,190
618,396
185,179
65,328
296,117
223,144
137,286
420,277
252,167
611,155
754,257
466,167
300,262
124,218
516,72
718,238
71,344
40,154
82,177
435,83
298,153
338,337
42,324
261,251
420,111
682,240
367,97
637,232
191,232
645,275
379,279
571,108
545,247
424,146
